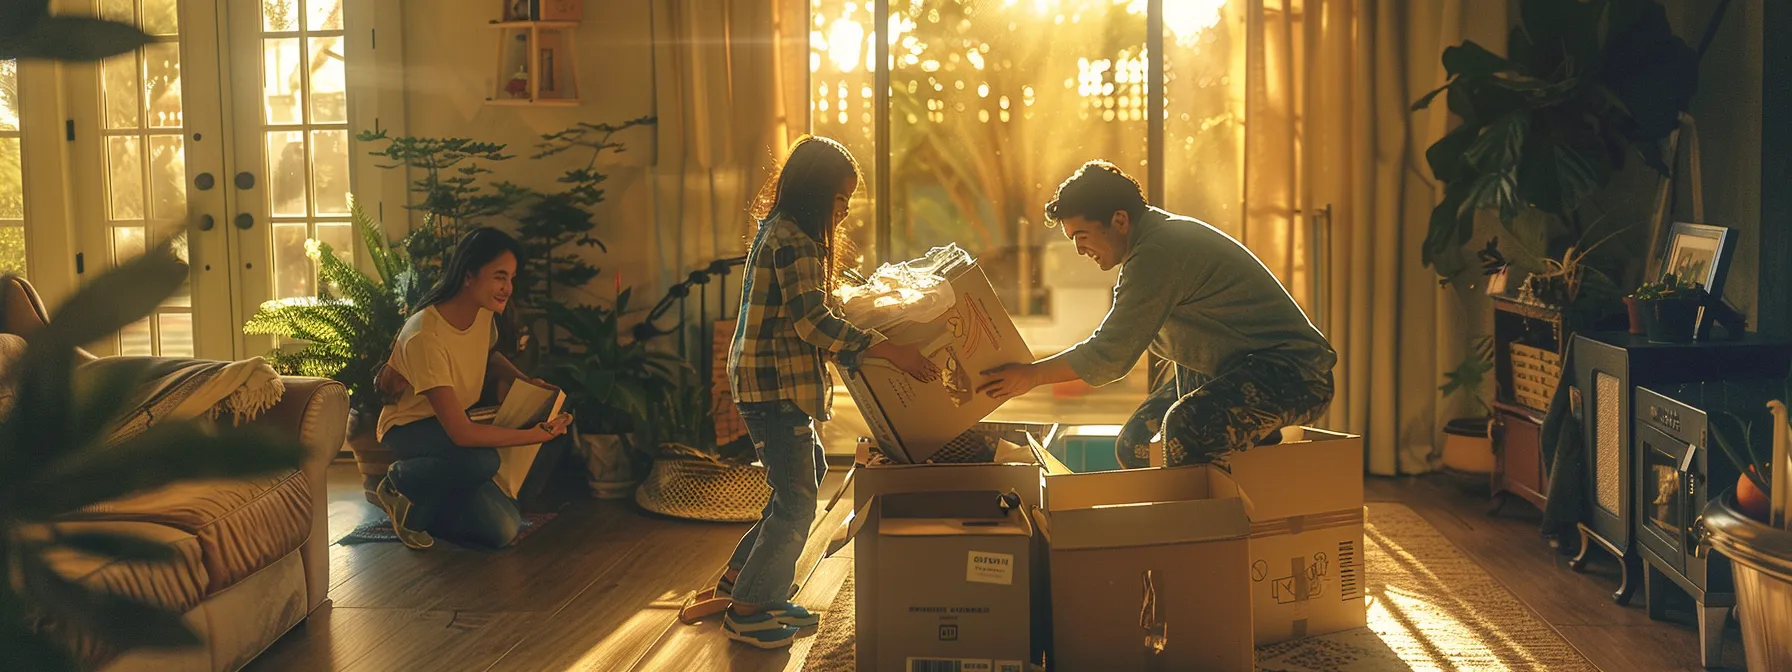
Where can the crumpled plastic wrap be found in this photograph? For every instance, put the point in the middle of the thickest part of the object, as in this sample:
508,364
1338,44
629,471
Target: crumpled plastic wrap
912,291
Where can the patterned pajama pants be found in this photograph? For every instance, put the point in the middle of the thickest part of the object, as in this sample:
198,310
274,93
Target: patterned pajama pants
1248,400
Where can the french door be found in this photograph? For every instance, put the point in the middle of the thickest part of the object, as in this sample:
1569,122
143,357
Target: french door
228,136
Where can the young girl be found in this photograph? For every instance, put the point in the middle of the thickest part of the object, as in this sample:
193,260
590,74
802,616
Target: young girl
776,369
441,484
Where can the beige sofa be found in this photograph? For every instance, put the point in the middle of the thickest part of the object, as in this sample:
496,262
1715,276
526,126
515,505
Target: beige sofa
253,555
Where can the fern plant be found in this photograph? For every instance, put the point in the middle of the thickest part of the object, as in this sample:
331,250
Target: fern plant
346,331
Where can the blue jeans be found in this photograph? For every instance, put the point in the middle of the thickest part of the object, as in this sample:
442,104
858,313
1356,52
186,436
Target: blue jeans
451,490
784,436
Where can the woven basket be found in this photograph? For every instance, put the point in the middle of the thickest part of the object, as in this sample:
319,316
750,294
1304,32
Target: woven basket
1536,373
685,483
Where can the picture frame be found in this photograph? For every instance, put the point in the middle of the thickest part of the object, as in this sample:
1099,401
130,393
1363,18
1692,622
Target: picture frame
1699,253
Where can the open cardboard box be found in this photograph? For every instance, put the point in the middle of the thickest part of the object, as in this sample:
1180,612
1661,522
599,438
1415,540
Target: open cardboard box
910,420
1018,469
1148,570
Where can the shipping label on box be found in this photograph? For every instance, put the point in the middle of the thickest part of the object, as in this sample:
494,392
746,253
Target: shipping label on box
1306,546
912,420
952,583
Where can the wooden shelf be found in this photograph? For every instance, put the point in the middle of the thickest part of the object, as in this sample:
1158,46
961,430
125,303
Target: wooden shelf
545,102
533,24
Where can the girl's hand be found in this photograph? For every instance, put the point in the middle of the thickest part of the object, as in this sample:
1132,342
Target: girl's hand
555,427
908,359
543,384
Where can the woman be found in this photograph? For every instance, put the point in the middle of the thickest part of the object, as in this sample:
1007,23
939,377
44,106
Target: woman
775,366
441,484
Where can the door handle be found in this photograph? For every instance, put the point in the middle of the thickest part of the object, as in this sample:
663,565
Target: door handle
245,180
245,221
204,181
206,222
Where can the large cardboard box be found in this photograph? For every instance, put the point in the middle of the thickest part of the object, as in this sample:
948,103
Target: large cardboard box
954,586
1306,544
911,420
1017,469
1148,570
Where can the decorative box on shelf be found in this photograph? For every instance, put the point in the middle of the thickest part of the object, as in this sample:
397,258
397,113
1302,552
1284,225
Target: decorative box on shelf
537,62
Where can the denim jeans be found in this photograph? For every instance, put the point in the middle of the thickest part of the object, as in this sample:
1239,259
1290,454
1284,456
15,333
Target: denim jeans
784,436
451,490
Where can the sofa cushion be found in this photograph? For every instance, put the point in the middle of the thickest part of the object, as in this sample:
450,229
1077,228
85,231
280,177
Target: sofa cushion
242,525
175,586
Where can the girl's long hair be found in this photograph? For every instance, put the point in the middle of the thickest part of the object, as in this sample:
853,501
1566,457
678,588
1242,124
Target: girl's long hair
803,190
474,250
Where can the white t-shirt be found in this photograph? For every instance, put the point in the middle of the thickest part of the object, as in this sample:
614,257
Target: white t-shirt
431,353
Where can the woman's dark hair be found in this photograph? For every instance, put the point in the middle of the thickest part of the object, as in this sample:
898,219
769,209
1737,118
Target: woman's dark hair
804,191
474,250
1095,192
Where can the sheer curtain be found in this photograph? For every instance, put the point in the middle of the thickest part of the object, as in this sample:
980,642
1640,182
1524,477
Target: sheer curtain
1328,87
723,78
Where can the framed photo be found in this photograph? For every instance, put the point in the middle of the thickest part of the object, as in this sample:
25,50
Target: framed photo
1700,253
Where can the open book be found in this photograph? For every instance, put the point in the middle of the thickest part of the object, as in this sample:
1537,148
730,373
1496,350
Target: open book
526,405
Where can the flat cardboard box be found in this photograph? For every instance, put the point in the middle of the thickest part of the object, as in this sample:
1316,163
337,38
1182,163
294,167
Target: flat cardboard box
1306,495
954,586
910,420
1019,470
1170,543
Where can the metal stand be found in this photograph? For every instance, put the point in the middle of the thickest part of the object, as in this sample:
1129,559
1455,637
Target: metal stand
1628,562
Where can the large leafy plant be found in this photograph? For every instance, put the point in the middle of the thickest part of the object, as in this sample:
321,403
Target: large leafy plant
612,387
346,331
54,450
1586,86
29,31
1469,378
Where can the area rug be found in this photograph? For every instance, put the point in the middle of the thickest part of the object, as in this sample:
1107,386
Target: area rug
380,531
1430,608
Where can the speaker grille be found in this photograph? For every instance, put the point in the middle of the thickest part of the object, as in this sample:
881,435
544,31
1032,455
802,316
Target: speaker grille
1607,417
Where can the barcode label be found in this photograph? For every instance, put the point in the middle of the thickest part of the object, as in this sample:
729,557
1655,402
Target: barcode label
948,665
1350,585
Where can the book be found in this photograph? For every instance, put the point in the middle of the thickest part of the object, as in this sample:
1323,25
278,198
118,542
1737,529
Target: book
526,405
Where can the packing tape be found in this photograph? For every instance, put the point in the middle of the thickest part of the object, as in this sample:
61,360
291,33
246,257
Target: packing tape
1297,568
1309,522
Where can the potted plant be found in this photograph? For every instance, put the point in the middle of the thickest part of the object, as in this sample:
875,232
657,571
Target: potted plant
611,388
346,332
1669,308
1468,442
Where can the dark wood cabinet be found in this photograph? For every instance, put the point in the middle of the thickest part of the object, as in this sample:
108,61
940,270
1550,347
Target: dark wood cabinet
1526,338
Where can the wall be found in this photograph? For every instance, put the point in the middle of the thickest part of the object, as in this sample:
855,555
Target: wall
449,70
1727,108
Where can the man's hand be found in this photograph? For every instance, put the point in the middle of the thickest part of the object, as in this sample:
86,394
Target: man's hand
908,359
1010,380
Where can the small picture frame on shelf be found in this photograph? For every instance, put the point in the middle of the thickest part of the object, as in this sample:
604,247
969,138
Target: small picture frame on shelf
556,10
1699,253
517,10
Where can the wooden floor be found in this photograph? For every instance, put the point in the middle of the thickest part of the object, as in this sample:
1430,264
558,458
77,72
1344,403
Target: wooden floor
598,589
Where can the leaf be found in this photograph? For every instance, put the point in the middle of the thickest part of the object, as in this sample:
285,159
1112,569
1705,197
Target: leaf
114,545
114,619
117,298
22,649
1577,177
169,452
1446,155
18,16
1425,101
1498,147
1473,59
73,38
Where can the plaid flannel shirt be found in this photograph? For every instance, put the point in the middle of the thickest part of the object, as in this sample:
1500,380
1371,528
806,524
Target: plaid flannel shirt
786,330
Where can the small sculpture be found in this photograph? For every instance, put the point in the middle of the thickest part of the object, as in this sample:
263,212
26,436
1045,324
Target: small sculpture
519,83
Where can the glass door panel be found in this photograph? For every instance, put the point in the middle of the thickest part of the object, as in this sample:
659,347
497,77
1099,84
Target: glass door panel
1661,494
144,152
291,112
12,174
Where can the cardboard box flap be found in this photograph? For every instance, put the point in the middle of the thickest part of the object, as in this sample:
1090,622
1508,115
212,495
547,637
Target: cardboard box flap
951,527
1081,491
1319,475
1148,524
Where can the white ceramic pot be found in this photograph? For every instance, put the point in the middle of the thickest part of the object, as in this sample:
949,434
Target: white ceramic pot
607,466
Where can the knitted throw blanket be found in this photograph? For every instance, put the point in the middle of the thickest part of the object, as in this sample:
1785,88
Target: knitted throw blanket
186,389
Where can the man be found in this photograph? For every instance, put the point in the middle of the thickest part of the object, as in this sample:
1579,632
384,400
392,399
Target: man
1249,362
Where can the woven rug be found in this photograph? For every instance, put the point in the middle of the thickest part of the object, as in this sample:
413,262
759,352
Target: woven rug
380,531
1430,608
